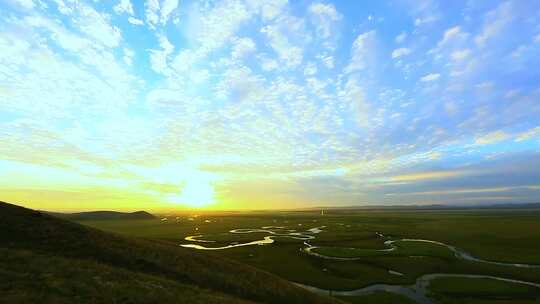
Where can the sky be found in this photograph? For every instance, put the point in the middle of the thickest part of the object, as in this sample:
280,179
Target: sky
268,104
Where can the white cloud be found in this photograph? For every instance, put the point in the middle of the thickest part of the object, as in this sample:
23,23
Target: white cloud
451,108
310,69
537,38
186,60
496,20
450,34
157,12
63,8
243,47
128,56
159,97
424,20
519,51
328,61
269,64
491,138
152,12
286,37
400,52
135,21
362,52
165,44
240,84
401,37
64,38
158,58
462,191
71,90
511,94
268,9
124,6
167,7
88,53
215,27
460,55
485,86
324,15
97,26
28,4
430,77
532,133
353,93
93,24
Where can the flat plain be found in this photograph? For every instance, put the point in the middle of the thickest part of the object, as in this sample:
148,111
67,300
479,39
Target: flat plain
370,256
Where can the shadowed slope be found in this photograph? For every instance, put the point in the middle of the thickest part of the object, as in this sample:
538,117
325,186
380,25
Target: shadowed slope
104,215
34,243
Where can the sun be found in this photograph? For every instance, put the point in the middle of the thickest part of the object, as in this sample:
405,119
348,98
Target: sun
197,193
196,188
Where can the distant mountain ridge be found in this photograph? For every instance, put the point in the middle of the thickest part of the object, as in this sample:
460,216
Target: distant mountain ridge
104,215
432,207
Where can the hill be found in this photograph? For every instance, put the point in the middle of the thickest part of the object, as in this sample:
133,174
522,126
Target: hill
52,260
104,215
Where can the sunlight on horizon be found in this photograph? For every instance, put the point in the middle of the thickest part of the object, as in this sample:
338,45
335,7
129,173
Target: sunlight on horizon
197,192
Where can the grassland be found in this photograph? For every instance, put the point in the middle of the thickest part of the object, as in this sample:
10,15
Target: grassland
50,260
378,298
496,235
472,290
402,249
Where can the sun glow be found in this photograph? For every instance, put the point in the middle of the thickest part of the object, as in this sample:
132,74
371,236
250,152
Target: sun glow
197,191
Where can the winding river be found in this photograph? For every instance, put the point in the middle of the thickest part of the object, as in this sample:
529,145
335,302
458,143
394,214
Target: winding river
417,292
459,253
275,231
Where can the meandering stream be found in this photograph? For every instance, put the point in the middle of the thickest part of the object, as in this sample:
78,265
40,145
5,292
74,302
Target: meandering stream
459,253
275,231
417,292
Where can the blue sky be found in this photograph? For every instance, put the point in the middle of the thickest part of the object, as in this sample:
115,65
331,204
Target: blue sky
262,104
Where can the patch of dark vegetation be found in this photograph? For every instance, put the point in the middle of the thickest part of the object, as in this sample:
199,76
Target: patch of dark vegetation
379,298
104,215
473,290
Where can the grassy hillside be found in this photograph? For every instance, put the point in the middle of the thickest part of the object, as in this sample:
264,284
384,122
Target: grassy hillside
56,261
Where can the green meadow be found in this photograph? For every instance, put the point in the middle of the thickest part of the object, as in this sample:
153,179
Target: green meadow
470,290
351,253
45,259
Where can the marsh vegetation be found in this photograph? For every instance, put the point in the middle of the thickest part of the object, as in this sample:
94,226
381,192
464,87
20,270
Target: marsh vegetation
367,255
